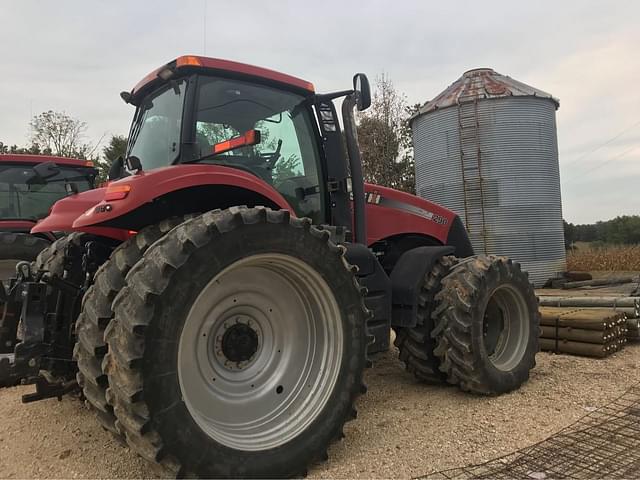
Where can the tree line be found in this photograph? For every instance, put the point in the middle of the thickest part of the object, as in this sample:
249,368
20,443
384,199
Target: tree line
622,230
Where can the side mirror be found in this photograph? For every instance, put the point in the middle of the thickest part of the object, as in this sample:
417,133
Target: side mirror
116,169
126,96
46,170
362,90
133,163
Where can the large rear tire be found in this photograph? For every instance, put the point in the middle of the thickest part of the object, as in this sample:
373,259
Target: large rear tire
416,345
237,346
487,325
96,314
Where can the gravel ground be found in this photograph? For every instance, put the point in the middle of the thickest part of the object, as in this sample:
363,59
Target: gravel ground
403,428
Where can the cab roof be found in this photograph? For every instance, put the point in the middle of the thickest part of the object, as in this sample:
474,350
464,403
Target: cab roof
35,159
223,66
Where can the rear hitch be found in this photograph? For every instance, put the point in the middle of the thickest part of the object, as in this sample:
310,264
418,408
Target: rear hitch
24,363
46,389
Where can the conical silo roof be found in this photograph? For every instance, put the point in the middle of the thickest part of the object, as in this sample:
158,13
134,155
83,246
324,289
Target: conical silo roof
481,83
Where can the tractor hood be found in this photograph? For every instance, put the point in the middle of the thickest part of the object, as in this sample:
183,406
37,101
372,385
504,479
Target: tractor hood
65,211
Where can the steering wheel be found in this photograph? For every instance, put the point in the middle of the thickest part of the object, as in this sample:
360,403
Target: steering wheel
270,159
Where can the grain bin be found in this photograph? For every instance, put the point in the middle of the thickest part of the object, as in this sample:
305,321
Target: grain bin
487,149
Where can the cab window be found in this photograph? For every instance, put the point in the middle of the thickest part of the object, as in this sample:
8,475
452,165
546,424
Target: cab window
286,155
155,134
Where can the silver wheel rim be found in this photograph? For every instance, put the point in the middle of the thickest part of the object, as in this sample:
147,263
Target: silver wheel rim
260,400
506,327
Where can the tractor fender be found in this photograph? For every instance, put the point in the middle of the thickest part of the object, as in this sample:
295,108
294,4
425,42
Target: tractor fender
65,211
147,186
407,278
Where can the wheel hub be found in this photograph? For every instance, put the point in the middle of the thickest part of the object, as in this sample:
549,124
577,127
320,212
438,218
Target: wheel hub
239,343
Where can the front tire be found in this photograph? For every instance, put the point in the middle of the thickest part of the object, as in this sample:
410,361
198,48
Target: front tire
96,314
238,346
487,325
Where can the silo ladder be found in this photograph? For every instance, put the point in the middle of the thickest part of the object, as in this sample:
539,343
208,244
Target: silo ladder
471,166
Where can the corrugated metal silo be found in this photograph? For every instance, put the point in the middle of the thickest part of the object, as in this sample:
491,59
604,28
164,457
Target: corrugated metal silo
487,149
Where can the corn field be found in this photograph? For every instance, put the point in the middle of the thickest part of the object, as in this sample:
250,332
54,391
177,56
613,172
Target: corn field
606,257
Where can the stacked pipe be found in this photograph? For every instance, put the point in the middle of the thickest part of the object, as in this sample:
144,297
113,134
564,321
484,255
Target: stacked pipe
591,332
630,306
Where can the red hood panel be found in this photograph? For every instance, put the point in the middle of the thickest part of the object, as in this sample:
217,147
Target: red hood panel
65,211
392,212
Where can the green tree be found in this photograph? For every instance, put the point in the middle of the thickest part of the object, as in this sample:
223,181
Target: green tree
34,149
384,135
623,229
116,147
61,135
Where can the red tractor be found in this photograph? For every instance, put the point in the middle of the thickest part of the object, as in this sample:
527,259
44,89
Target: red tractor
221,295
29,186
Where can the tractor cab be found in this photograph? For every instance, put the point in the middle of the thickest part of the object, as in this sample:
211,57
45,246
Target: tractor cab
273,126
259,129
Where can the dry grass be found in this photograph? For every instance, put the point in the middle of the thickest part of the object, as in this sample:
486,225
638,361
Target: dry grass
608,257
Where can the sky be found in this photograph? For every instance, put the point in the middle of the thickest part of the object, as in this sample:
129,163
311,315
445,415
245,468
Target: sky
76,56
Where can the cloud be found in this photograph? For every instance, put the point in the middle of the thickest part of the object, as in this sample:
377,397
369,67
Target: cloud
76,56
